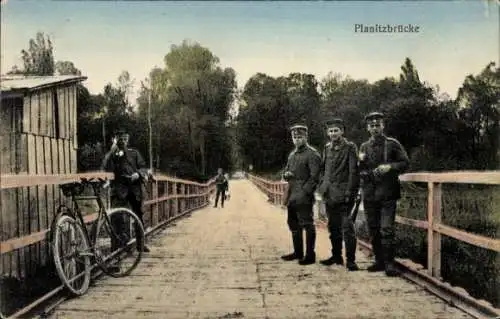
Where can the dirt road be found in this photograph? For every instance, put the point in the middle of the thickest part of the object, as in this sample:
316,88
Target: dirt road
224,263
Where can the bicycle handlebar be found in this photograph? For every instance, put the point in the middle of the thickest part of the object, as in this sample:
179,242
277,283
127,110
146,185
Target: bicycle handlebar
106,182
102,182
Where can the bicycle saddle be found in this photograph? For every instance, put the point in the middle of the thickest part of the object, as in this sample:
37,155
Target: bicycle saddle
70,189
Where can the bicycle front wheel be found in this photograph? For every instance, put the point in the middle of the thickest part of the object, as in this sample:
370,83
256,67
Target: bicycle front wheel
119,242
71,254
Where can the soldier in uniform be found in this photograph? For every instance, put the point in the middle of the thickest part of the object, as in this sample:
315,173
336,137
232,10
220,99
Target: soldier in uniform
130,172
221,185
339,187
382,159
302,173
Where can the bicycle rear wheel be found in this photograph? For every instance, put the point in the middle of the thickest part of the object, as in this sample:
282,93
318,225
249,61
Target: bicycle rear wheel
119,242
71,254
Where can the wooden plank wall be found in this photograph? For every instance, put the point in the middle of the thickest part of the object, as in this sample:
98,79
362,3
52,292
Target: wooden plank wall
37,138
12,162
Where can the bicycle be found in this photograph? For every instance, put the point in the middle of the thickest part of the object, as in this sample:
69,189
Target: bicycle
83,246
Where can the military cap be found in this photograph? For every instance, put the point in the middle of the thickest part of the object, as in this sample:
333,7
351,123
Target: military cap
374,117
298,127
335,122
121,131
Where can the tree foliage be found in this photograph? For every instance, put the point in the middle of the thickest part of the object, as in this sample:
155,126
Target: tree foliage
201,122
190,98
66,68
39,59
438,133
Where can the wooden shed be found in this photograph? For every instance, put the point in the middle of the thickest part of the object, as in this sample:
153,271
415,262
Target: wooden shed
38,135
38,124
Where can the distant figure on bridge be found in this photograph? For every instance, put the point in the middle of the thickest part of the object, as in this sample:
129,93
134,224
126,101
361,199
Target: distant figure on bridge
339,187
222,186
302,173
381,160
130,171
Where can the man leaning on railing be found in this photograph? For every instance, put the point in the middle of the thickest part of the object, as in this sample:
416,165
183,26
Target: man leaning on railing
130,173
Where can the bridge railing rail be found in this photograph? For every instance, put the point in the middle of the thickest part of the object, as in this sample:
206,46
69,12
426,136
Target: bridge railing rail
275,190
432,224
28,204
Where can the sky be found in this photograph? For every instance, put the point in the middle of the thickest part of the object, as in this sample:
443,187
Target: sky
103,38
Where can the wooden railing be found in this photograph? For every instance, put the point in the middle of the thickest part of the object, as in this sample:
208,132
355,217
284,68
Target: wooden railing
275,190
433,224
29,203
434,213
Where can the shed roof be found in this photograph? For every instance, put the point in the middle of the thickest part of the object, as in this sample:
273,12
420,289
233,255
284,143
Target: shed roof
30,82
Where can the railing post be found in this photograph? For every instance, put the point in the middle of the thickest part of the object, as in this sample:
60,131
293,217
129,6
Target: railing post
276,194
184,199
280,196
209,193
273,195
434,201
198,190
108,198
165,212
175,200
207,190
285,191
154,196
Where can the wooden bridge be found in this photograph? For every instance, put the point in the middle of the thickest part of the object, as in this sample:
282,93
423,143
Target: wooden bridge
224,262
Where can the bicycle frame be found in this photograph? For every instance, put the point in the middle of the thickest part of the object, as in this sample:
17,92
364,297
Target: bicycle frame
76,213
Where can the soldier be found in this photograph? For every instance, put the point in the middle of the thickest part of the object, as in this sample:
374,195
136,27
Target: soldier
381,160
339,188
130,171
302,173
221,184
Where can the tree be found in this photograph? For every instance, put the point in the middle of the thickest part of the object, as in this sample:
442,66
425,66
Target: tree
350,100
125,84
38,59
479,99
66,68
191,97
409,107
15,71
268,107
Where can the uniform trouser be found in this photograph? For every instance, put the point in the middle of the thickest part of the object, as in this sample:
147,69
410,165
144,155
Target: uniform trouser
220,193
341,227
118,222
300,217
381,217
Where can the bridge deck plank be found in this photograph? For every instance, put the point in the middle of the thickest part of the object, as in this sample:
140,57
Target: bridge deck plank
224,263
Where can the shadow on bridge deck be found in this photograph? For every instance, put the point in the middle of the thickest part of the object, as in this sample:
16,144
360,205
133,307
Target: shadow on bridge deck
224,263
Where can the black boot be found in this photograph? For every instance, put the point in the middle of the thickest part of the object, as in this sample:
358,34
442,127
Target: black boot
298,247
336,257
337,260
352,266
350,247
391,270
390,267
310,257
379,264
376,266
